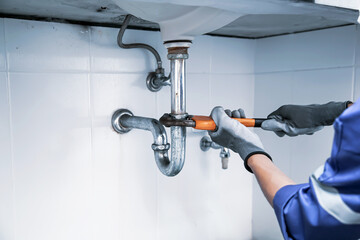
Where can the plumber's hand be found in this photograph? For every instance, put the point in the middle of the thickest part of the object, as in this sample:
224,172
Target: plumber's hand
294,120
232,134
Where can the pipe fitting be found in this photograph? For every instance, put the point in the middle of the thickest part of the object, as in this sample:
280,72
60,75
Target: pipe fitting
160,147
123,121
206,144
177,56
177,53
116,123
156,80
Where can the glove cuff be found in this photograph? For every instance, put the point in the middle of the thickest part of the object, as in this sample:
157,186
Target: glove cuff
330,111
253,153
347,103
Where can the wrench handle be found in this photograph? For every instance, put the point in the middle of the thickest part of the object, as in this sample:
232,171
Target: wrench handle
207,123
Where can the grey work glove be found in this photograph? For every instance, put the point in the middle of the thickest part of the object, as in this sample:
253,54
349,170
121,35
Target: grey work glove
294,120
232,134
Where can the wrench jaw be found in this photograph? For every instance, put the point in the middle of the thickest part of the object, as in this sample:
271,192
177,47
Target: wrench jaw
169,120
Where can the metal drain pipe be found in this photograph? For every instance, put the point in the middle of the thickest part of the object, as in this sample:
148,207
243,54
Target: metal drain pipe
123,120
177,54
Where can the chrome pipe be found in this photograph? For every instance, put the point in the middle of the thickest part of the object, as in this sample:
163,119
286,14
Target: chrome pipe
177,78
148,124
123,120
177,57
160,146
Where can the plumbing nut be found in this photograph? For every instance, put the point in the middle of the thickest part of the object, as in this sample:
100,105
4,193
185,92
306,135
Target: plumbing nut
178,53
177,50
162,147
177,56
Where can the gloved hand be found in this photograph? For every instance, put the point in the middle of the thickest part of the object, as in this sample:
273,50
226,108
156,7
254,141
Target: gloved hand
232,134
294,120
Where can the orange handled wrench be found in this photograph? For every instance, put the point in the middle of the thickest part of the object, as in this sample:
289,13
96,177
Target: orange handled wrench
205,122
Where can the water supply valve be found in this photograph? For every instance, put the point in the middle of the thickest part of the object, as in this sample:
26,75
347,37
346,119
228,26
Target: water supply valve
206,144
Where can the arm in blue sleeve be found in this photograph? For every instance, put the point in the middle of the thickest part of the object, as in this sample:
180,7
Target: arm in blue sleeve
280,202
301,216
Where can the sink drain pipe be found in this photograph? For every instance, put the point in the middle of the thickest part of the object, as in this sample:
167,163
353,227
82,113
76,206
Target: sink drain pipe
123,120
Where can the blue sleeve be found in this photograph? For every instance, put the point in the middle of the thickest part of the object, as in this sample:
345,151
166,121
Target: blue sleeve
301,216
280,202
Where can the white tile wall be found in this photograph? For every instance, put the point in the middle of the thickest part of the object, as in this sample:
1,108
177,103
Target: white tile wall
73,177
238,52
357,47
311,50
271,91
2,46
127,176
357,84
198,94
46,47
6,176
106,56
233,91
52,155
326,85
201,54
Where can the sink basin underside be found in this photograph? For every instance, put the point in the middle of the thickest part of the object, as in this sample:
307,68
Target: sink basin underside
281,17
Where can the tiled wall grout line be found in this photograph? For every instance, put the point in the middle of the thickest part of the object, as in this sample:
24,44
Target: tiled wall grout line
91,115
6,55
304,70
210,74
10,130
12,150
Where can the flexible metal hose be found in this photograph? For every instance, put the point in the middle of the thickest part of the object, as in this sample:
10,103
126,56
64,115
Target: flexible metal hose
136,45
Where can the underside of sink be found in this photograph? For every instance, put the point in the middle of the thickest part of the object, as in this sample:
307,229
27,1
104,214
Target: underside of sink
257,20
180,22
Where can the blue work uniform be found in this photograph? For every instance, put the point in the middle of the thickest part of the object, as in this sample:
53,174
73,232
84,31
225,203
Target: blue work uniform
328,207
